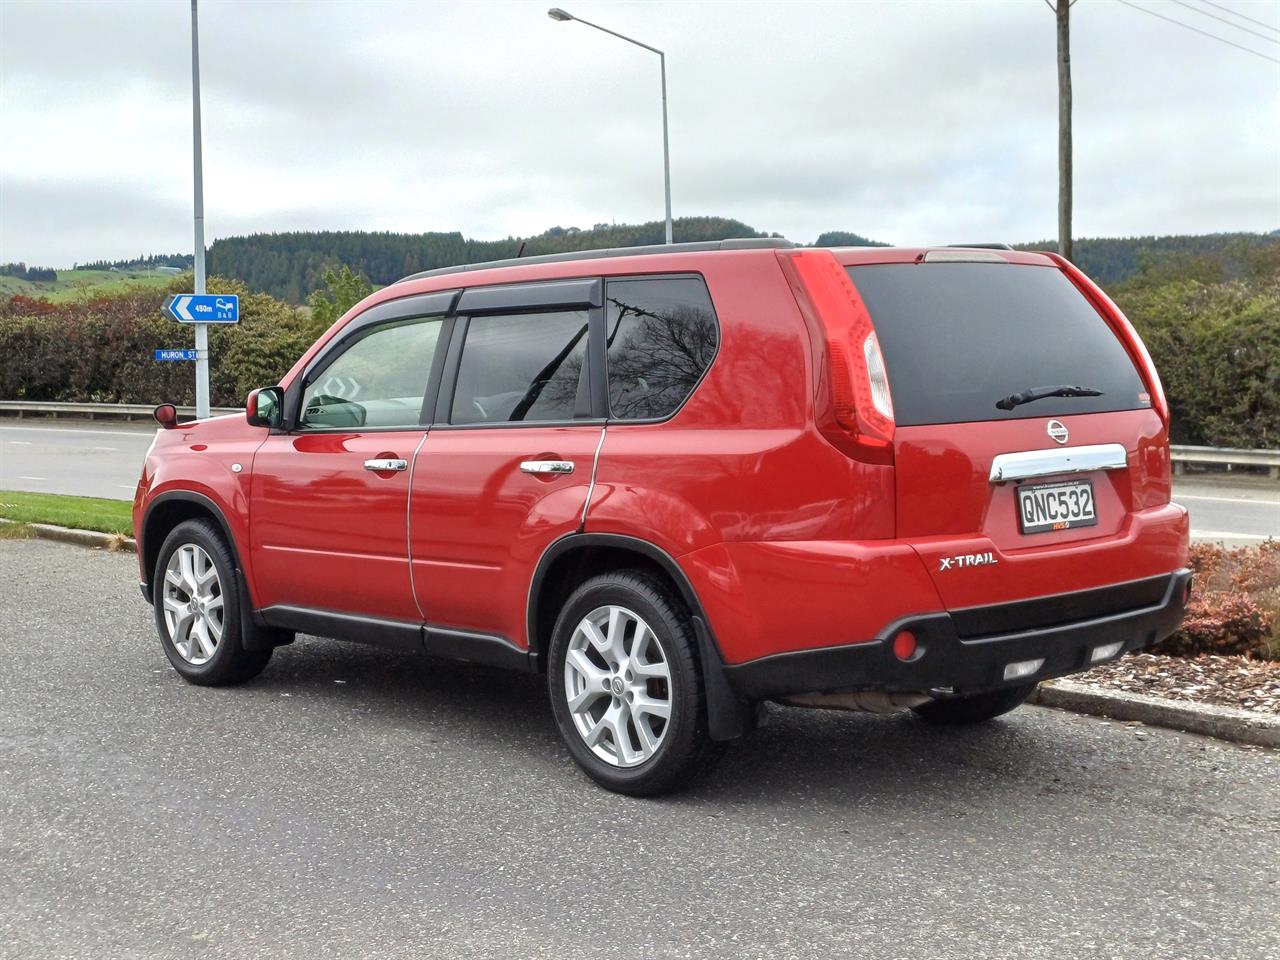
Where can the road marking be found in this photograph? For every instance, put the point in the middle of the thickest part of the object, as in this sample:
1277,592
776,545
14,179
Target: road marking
106,449
21,443
139,434
1224,535
1189,496
33,478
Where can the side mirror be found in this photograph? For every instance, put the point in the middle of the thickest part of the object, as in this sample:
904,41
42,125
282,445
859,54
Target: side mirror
264,407
166,415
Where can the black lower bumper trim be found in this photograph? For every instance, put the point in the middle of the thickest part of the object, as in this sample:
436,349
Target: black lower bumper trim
948,661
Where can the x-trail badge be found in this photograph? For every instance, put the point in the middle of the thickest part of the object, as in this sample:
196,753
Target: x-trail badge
1057,430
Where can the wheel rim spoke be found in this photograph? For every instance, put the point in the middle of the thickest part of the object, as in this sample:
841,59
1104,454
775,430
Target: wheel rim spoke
619,698
192,602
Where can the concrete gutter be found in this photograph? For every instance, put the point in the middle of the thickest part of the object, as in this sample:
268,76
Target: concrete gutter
1225,723
82,538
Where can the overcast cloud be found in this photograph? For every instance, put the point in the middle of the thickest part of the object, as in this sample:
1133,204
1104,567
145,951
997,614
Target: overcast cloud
905,121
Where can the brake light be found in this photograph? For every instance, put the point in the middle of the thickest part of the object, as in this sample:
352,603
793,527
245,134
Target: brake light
1120,324
859,414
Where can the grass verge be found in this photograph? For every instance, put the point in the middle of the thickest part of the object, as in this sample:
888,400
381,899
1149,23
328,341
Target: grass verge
82,513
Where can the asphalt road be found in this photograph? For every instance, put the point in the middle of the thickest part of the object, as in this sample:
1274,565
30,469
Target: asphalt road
103,460
352,802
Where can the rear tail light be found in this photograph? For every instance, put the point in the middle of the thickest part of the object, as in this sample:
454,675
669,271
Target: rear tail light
1123,329
880,397
859,404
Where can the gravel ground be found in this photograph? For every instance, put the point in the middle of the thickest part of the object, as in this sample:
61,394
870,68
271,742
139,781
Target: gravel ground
1228,681
354,802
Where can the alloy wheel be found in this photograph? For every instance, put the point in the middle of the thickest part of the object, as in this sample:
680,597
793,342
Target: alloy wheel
193,608
618,686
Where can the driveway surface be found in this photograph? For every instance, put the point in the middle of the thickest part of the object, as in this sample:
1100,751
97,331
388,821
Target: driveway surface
357,803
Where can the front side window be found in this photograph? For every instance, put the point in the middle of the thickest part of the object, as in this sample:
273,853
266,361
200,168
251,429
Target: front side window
662,335
523,367
378,381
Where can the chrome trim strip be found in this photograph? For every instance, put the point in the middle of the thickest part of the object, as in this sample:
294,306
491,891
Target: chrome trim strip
1047,463
408,523
591,488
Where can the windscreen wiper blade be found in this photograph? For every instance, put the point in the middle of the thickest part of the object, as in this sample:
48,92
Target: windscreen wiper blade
1039,393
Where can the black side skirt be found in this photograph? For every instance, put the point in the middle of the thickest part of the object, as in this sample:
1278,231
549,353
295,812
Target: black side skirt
401,635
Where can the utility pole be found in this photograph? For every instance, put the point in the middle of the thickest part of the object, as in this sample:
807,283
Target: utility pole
1062,11
202,329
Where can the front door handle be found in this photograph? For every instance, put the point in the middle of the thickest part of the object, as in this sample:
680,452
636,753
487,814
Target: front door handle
544,467
386,466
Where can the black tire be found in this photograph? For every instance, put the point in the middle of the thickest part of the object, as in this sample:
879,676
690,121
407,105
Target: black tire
684,749
976,708
230,662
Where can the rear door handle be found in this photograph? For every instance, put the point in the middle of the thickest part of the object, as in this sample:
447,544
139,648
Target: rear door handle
546,466
386,466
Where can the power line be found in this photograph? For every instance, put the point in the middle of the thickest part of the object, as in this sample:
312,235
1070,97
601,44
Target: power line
1214,16
1261,23
1203,33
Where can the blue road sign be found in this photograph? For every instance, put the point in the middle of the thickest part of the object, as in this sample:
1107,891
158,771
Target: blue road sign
204,308
175,354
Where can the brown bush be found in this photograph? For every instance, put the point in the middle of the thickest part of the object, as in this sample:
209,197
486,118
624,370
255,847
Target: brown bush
1235,607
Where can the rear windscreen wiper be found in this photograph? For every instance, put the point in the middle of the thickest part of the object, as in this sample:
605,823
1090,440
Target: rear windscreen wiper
1039,393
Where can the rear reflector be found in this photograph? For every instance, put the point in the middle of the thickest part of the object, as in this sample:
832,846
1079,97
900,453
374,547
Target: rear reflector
1105,652
904,645
1023,668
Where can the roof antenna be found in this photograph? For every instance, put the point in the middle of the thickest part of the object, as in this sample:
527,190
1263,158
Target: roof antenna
520,252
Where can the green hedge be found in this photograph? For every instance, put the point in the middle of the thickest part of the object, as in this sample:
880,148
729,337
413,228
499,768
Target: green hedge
102,350
1216,342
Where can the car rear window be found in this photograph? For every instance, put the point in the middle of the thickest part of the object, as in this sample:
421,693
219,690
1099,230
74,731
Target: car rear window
957,337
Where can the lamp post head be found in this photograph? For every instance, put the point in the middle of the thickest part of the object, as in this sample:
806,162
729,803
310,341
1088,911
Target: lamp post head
555,13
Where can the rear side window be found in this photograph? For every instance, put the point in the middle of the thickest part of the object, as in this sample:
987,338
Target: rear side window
957,337
523,367
662,335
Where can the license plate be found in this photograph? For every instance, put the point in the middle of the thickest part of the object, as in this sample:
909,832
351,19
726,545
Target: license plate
1056,506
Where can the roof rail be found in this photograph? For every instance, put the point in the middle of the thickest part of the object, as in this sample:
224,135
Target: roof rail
982,246
741,243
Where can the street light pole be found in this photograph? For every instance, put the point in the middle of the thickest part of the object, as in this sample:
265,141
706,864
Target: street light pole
555,13
202,329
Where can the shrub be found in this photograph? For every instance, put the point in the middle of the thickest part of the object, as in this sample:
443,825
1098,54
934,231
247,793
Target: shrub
101,350
1235,607
1214,334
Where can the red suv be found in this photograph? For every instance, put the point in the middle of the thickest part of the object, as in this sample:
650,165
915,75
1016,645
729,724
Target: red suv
684,480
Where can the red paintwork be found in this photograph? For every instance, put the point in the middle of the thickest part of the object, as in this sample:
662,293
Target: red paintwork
479,525
326,532
793,530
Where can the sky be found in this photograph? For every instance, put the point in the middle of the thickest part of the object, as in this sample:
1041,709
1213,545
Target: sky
905,121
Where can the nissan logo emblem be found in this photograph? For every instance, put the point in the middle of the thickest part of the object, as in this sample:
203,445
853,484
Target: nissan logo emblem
1057,430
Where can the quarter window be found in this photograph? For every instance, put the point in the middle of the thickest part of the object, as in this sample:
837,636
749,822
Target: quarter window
378,381
662,335
523,367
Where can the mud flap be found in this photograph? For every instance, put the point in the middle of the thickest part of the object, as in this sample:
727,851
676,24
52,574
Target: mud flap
254,634
728,715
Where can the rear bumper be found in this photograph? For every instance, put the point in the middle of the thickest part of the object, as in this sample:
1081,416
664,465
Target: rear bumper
967,650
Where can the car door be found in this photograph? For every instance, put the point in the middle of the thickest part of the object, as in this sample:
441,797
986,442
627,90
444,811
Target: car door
328,515
507,465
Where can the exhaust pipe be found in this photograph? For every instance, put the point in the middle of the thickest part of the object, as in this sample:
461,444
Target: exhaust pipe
866,701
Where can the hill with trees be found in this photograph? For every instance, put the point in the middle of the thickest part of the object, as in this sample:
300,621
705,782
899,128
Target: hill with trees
290,265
